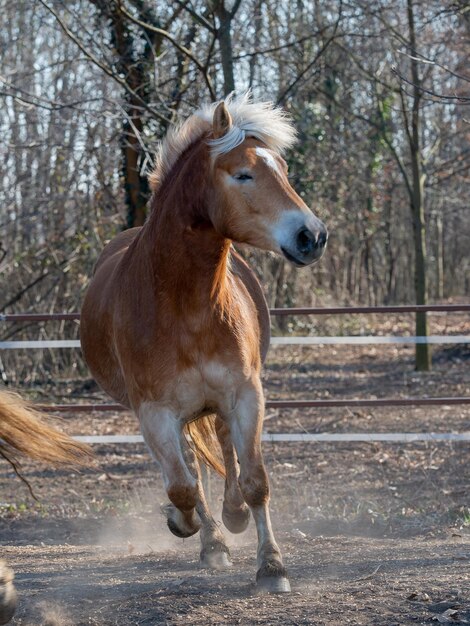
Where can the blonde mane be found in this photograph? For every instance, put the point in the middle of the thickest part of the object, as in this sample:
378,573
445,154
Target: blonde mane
261,120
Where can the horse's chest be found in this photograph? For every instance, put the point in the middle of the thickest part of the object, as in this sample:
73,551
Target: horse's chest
210,386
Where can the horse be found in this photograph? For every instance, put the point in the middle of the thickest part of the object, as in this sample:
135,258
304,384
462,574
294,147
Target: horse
24,431
175,326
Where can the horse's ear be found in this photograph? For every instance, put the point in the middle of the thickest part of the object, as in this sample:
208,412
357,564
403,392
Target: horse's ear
222,121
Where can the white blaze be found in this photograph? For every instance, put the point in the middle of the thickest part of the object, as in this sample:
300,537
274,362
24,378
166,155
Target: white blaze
268,158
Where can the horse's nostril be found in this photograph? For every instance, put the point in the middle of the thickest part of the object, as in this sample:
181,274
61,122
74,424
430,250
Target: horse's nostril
310,241
305,241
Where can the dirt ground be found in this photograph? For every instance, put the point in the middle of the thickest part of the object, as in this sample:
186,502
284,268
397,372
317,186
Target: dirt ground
371,533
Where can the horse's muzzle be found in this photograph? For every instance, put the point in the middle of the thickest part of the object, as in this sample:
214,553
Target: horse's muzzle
309,244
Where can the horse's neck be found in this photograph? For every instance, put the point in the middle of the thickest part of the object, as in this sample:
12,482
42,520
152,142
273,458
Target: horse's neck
191,264
189,259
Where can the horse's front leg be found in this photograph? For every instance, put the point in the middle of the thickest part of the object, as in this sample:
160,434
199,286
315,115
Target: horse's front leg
188,511
163,433
245,422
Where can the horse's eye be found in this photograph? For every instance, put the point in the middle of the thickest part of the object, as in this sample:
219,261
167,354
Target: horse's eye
243,177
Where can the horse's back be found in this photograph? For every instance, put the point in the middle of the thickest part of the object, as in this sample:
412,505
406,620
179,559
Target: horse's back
117,245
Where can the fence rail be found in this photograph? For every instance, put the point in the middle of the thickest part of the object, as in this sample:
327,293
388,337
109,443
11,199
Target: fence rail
282,404
355,340
359,310
306,438
345,310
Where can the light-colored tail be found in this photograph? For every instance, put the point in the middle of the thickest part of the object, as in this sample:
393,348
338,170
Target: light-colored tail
25,431
203,436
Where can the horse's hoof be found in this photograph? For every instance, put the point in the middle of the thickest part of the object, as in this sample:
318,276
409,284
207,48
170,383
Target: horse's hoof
182,534
272,578
216,557
178,524
8,597
270,584
236,521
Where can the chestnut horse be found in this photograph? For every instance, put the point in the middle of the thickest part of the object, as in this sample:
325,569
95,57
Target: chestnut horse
175,326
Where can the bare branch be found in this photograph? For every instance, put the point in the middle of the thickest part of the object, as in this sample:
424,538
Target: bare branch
107,70
319,53
200,19
430,92
290,44
15,468
178,46
236,6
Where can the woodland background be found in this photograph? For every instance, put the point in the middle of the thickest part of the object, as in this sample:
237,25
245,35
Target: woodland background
379,92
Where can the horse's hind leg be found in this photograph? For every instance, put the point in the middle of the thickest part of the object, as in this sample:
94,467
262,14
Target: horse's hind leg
214,551
162,432
235,513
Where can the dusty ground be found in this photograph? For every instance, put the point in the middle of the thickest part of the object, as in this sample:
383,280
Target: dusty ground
371,533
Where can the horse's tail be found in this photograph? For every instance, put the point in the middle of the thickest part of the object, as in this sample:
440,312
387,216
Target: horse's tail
203,436
26,431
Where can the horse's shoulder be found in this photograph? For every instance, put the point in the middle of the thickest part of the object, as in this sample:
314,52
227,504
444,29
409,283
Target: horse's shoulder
120,243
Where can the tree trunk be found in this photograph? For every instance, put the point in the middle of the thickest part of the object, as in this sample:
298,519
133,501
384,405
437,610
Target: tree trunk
423,357
135,185
224,36
440,257
423,360
135,64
